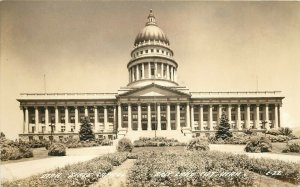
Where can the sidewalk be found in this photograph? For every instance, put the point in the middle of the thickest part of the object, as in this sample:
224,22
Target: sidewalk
239,149
19,170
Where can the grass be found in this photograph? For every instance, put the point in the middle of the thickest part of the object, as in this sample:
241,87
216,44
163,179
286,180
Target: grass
278,147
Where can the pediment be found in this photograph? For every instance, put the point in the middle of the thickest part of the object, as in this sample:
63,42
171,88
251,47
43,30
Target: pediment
154,90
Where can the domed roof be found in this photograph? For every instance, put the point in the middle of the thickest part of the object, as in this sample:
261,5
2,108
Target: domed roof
151,32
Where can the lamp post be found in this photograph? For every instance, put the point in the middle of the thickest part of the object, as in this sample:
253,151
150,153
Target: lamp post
264,123
52,126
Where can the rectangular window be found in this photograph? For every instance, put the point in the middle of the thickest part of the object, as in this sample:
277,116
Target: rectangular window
261,116
63,128
270,116
134,116
152,50
251,116
215,117
233,117
205,117
146,51
243,117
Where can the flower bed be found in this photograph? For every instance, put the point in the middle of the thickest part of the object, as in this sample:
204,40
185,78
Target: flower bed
196,169
80,174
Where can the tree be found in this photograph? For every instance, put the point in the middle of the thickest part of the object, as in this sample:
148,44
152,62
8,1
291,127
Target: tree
285,131
223,128
86,132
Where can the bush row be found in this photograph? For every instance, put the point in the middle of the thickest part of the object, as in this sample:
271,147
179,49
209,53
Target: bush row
14,150
80,174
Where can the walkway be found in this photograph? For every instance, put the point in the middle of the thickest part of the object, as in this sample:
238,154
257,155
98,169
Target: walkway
116,178
239,149
12,171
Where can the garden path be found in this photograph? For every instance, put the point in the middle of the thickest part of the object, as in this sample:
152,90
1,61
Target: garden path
116,178
239,149
19,170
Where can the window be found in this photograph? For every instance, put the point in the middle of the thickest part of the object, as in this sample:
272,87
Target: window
62,119
251,116
167,53
205,117
157,50
72,119
215,117
43,119
152,50
146,51
63,128
242,116
233,117
141,52
163,52
163,116
270,117
52,119
111,118
43,129
152,70
134,116
261,116
125,117
41,137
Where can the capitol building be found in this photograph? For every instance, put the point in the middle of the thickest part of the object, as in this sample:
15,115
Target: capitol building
151,104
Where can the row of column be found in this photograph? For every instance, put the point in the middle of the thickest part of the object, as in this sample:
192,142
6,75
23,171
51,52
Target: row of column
37,124
238,120
138,72
190,122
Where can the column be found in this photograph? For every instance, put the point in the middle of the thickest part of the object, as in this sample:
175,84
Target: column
219,113
77,127
26,124
171,70
155,70
115,118
267,125
47,120
129,117
129,73
149,117
67,126
238,121
280,120
86,113
149,70
161,70
132,75
276,117
139,117
137,72
210,118
168,117
119,116
192,117
257,126
96,118
143,71
66,115
56,119
175,75
229,114
247,116
36,115
106,128
168,73
187,115
158,117
178,116
200,123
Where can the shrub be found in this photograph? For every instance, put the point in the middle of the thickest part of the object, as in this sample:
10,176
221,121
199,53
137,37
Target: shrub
258,144
198,144
285,131
13,150
156,141
106,142
124,145
132,156
293,146
57,149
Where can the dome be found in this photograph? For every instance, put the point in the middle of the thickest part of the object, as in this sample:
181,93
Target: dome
151,32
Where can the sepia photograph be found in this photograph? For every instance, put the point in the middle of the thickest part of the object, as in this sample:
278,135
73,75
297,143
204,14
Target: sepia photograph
149,93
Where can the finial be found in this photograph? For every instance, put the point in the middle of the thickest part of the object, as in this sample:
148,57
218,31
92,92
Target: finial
151,18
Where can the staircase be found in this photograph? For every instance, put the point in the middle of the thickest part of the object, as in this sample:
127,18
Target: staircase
183,136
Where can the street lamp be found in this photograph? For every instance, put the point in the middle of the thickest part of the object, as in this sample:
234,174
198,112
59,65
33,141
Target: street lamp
52,126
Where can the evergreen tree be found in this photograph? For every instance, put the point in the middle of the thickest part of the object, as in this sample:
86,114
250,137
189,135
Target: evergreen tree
86,132
223,128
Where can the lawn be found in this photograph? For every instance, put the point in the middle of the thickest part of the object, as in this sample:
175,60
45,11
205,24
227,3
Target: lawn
278,147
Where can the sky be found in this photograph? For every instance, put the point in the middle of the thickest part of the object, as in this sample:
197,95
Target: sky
84,46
